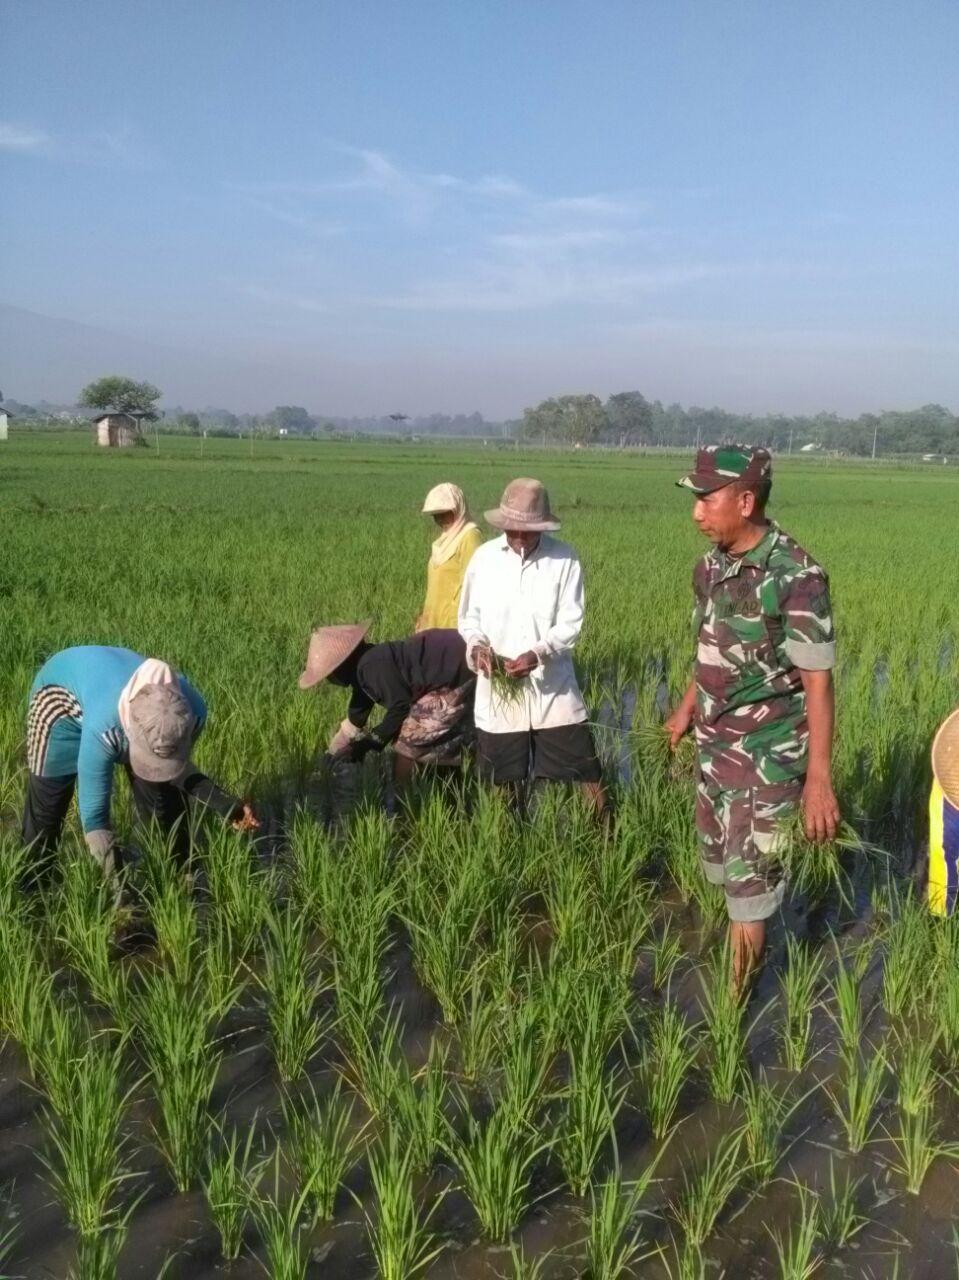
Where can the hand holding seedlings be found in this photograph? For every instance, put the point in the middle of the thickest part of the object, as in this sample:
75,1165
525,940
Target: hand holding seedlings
246,821
519,668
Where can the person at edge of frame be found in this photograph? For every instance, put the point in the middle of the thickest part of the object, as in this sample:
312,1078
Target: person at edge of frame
423,683
522,609
761,701
93,707
449,555
942,886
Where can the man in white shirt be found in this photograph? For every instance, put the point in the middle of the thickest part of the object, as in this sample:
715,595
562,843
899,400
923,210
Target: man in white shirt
521,611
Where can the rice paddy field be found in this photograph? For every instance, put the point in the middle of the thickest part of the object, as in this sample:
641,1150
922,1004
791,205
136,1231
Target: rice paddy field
427,1039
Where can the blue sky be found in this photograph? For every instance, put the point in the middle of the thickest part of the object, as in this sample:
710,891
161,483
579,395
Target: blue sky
449,206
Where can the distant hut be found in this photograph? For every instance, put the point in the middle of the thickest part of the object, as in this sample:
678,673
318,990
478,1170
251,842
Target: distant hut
118,430
3,423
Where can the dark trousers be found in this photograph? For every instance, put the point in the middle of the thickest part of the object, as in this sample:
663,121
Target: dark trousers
48,800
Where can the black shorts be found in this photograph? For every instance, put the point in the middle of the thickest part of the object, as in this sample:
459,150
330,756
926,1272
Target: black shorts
564,754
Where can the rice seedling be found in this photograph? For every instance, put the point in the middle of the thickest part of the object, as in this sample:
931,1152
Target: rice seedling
173,914
798,982
98,1255
917,1144
665,953
947,1016
592,1102
707,1191
371,1062
85,1156
399,1235
909,959
230,1179
418,1106
796,1251
240,892
524,1268
614,1245
839,1216
495,1155
766,1111
847,1012
293,986
915,1073
816,869
175,1026
725,1016
477,1028
86,914
855,1102
669,1054
324,1146
505,691
282,1222
444,916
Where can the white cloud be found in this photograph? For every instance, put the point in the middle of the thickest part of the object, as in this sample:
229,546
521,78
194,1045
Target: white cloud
14,137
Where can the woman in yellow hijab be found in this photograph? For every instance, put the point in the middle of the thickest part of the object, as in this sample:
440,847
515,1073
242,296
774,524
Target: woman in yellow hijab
451,553
944,819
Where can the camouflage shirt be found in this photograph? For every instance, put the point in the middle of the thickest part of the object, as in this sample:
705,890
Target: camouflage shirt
759,619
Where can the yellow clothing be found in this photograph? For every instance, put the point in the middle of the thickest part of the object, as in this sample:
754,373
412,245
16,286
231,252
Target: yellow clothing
943,853
444,582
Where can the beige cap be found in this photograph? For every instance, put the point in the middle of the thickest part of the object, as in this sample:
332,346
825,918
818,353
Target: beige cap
945,758
444,497
523,506
329,646
160,733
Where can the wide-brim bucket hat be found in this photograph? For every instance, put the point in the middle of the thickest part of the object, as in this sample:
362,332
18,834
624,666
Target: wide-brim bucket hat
329,646
524,507
945,758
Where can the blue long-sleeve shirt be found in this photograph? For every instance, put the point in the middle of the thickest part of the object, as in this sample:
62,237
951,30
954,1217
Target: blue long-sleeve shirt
92,741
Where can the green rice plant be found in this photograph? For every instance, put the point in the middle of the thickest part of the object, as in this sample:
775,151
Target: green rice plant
8,1228
240,892
847,1012
443,914
918,1144
324,1146
815,869
665,953
98,1255
523,1268
839,1217
915,1073
219,963
614,1246
909,962
947,1016
495,1155
417,1109
527,1053
725,1016
175,1035
399,1236
798,983
505,690
766,1111
86,915
174,917
593,1100
670,1047
66,1036
85,1147
230,1180
371,1059
477,1027
283,1224
796,1251
293,986
707,1191
361,934
855,1102
32,1015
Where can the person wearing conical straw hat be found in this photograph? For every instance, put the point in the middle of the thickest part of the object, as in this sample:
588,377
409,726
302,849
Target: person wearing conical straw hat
521,612
450,554
94,707
943,886
761,701
423,684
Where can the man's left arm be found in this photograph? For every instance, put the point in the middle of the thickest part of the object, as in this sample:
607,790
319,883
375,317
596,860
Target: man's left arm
810,644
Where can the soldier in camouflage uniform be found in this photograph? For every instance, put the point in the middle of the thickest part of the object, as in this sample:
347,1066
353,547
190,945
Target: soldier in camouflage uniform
761,699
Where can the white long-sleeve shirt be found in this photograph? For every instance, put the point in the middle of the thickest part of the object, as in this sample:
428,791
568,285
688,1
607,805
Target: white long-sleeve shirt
516,605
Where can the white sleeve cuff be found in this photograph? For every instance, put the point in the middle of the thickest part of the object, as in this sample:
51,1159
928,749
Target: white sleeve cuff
100,844
808,656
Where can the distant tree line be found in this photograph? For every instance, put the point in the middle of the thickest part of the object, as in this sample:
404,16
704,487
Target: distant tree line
624,419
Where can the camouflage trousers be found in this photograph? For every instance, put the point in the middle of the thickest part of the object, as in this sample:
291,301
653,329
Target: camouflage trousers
739,833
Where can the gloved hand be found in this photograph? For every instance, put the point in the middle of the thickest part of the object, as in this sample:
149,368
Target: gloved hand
357,751
341,741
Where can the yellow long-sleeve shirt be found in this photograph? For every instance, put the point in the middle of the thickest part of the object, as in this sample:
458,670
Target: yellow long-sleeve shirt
444,582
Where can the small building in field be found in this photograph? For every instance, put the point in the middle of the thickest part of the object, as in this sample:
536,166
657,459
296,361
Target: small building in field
3,423
118,430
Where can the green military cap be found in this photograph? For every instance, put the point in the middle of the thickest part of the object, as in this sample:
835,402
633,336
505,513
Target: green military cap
720,464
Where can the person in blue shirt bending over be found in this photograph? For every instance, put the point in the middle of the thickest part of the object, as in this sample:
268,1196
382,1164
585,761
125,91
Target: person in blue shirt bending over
94,707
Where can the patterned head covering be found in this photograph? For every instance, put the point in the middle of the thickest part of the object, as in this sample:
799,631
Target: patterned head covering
720,464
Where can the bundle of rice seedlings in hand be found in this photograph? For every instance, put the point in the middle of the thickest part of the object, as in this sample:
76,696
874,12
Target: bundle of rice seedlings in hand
505,690
814,869
679,762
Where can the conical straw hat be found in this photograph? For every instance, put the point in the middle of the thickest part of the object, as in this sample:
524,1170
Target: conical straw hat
329,646
945,758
